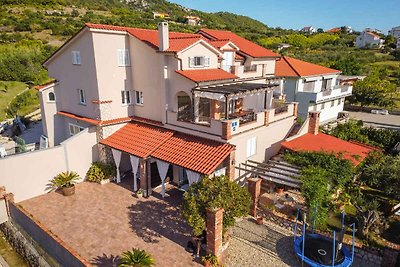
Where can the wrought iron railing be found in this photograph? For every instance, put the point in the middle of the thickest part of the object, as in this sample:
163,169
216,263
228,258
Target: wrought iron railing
282,109
250,117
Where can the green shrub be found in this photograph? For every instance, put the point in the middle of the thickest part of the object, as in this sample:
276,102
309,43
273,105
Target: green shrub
210,193
100,171
136,258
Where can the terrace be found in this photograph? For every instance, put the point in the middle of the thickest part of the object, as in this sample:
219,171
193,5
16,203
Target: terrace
102,221
239,106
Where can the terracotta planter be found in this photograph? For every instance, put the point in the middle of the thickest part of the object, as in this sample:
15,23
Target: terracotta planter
260,220
279,190
68,191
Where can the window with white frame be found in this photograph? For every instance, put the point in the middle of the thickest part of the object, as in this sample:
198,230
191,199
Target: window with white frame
76,57
251,146
82,96
51,97
125,97
322,106
138,97
339,101
332,103
123,57
199,62
74,129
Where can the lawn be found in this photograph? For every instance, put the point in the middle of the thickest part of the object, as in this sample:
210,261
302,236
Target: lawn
8,90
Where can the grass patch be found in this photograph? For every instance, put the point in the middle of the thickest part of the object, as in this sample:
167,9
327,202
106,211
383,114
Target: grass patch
9,90
9,255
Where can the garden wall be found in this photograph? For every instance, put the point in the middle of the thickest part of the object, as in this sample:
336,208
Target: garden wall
27,175
36,242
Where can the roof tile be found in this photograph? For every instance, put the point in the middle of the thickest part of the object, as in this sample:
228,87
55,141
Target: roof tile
247,47
291,67
204,75
321,142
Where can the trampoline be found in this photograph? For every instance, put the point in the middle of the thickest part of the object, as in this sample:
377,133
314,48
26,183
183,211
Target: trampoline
319,251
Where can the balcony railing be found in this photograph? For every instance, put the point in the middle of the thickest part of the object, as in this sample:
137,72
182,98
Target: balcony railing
280,110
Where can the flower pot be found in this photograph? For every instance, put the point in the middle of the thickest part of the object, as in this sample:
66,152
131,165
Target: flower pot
260,220
68,191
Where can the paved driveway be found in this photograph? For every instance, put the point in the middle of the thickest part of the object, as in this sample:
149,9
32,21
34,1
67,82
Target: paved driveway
102,221
377,120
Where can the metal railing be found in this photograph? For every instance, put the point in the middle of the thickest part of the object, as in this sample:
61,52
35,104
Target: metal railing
282,109
250,117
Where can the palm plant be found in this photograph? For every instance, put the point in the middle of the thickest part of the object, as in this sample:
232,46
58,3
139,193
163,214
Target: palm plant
136,258
64,179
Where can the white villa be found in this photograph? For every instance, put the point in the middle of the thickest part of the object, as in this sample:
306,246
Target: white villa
185,104
368,39
314,87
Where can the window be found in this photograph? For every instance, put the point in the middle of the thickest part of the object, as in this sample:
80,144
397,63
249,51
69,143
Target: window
251,68
76,57
74,129
199,62
139,97
51,97
82,97
123,58
251,146
332,103
322,106
125,97
339,102
308,86
326,84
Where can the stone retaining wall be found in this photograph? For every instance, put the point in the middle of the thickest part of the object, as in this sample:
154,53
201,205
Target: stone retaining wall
22,246
366,253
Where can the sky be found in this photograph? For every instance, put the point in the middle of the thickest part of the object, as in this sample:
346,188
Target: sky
295,14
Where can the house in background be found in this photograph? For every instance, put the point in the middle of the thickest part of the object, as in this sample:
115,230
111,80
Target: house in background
160,15
395,31
192,20
167,104
309,29
368,39
314,87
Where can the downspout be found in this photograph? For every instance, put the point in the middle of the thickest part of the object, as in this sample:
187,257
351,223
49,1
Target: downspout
226,107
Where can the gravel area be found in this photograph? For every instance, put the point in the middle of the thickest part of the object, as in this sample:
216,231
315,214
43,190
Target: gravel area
265,245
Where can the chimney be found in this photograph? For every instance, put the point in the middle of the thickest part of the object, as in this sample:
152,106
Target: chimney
163,36
313,125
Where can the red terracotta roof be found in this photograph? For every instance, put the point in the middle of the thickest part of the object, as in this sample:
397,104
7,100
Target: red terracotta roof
178,41
291,67
334,30
138,139
43,86
80,118
193,153
205,75
247,47
374,35
354,152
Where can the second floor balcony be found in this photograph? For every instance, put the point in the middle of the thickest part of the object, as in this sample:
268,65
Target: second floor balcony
337,91
233,108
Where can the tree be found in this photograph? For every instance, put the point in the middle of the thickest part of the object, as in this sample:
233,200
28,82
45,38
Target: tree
209,193
390,41
348,65
373,91
320,30
367,215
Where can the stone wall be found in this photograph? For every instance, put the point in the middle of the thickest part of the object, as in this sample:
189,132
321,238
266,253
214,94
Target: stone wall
22,246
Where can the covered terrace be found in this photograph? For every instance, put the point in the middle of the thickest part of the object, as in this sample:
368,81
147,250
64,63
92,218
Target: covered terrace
155,156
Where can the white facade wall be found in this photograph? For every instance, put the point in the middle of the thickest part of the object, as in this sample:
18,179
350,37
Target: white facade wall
199,50
367,40
268,141
29,180
48,112
74,77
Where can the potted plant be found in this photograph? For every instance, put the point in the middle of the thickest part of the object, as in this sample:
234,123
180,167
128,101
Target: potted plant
100,172
66,182
210,260
139,193
136,258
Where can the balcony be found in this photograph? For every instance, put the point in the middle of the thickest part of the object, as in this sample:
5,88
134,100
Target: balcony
338,91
